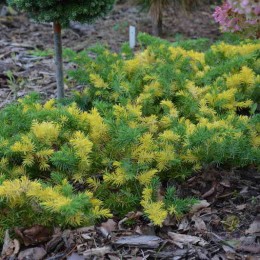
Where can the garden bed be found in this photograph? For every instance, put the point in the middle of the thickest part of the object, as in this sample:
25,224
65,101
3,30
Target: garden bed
166,138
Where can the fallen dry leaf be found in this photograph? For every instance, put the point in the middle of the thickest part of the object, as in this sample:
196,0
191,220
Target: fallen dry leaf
169,221
104,232
209,192
254,227
134,215
225,183
34,235
86,237
10,247
198,206
215,220
147,230
184,225
241,207
244,190
199,224
110,225
181,239
138,230
85,229
36,253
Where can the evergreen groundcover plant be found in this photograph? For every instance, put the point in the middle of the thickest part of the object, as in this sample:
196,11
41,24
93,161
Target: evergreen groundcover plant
60,13
144,120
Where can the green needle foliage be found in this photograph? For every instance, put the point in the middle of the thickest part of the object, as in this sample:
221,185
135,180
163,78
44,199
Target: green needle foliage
145,119
63,11
60,13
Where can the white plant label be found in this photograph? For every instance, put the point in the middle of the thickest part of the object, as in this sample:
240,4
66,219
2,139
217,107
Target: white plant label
132,36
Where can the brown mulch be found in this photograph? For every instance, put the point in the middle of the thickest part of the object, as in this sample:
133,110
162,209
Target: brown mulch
224,224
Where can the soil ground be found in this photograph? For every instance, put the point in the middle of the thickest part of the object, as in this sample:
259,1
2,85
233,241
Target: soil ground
225,225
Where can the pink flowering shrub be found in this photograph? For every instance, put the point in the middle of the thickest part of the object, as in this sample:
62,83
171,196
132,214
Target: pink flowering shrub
249,8
242,16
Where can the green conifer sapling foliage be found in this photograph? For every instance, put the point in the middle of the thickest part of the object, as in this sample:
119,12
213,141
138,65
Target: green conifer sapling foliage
60,13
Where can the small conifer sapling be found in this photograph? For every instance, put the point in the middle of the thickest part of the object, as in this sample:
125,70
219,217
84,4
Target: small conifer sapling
157,7
60,13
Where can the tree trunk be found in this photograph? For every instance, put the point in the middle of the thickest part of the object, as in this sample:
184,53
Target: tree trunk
58,60
158,25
